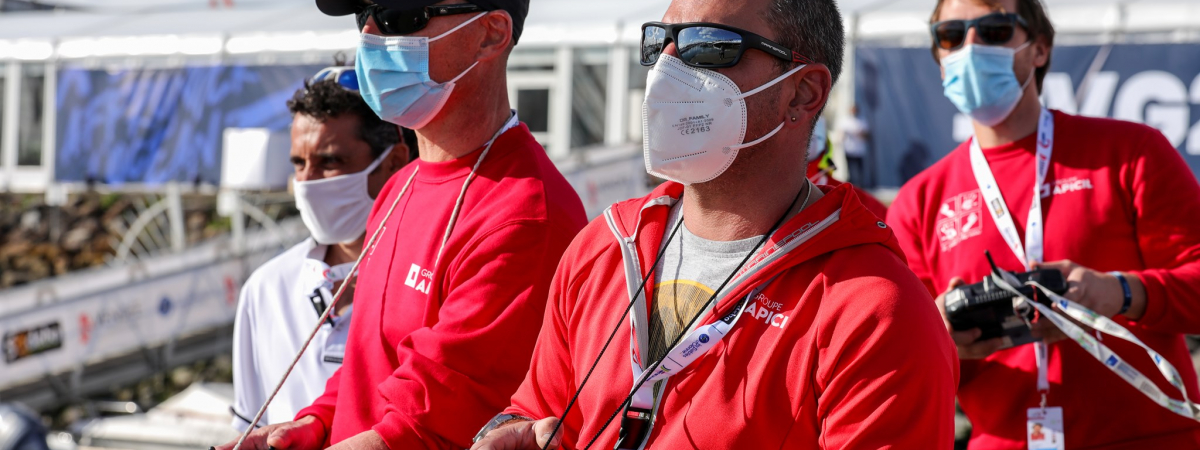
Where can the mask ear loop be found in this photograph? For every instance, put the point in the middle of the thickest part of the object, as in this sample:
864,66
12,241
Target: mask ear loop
760,89
756,141
379,161
1031,71
452,80
457,27
770,83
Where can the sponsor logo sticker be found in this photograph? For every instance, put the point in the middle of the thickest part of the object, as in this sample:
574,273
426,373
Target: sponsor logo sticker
32,341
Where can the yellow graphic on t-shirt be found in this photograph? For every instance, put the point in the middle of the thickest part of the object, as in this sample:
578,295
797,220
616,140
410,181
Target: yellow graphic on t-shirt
675,303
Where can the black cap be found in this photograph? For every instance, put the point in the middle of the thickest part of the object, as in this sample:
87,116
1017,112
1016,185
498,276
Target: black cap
518,9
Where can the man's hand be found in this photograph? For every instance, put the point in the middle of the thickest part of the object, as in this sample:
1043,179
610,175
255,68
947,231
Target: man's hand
367,440
965,340
521,435
1099,291
304,434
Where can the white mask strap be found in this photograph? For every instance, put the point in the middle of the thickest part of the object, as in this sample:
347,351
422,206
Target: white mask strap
772,82
452,80
1031,72
1028,79
756,141
1021,47
456,28
379,160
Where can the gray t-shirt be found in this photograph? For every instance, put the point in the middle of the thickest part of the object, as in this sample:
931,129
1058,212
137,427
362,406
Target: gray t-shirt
690,270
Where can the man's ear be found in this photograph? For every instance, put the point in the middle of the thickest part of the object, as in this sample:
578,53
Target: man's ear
810,92
497,37
1041,57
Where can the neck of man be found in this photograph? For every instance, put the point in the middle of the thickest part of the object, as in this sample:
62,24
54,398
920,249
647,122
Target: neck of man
468,120
342,253
747,199
1021,122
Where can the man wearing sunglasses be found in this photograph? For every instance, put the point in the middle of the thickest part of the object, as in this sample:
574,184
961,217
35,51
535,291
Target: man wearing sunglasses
343,154
463,242
738,305
1110,204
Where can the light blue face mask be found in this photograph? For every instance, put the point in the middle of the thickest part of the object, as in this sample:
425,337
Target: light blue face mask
393,77
979,80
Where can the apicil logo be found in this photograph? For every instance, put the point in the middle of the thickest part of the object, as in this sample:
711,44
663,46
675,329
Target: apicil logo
1111,361
703,338
691,348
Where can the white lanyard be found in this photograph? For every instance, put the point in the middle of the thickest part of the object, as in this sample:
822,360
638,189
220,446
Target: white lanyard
1105,355
994,202
1032,250
697,343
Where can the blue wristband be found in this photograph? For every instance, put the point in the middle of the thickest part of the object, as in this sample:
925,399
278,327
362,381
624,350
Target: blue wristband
1125,288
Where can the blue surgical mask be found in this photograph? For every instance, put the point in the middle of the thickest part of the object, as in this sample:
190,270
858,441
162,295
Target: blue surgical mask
979,80
393,77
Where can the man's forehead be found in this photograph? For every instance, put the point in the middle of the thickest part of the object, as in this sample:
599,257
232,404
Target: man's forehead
311,135
745,14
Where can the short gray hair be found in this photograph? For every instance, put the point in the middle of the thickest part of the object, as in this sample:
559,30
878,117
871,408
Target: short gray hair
812,28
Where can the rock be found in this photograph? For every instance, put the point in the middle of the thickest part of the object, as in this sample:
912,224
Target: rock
14,248
73,241
30,219
182,376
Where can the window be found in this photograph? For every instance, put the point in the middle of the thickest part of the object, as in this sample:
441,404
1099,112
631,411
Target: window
637,94
533,106
30,109
589,92
3,86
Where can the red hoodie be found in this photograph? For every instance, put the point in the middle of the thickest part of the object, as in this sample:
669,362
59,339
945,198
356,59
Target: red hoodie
841,350
436,351
1118,197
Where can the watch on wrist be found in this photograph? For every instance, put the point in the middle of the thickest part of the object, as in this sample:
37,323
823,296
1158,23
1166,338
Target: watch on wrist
496,422
1128,301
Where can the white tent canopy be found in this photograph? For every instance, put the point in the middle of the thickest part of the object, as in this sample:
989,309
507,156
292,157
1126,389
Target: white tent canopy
889,18
141,27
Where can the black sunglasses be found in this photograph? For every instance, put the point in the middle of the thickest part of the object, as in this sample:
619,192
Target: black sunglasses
408,21
992,29
708,45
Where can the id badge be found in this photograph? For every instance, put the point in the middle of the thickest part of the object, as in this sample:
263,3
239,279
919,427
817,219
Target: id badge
1044,429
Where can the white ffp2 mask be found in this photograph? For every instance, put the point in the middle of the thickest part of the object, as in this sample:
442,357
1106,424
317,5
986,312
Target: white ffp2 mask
694,121
335,209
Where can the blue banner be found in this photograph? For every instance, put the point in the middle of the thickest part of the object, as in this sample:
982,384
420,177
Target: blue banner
898,92
158,125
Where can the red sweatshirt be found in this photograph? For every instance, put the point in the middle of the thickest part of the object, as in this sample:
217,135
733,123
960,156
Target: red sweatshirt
841,350
436,351
1118,196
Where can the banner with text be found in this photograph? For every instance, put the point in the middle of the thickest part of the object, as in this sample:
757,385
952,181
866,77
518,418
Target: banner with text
898,92
160,125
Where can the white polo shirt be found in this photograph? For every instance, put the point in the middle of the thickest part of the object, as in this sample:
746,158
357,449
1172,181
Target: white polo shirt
275,313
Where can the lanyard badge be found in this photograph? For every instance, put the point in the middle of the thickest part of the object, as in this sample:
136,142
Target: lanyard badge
1032,251
317,297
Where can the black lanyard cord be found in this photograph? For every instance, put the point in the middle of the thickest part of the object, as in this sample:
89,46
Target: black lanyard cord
696,317
639,292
